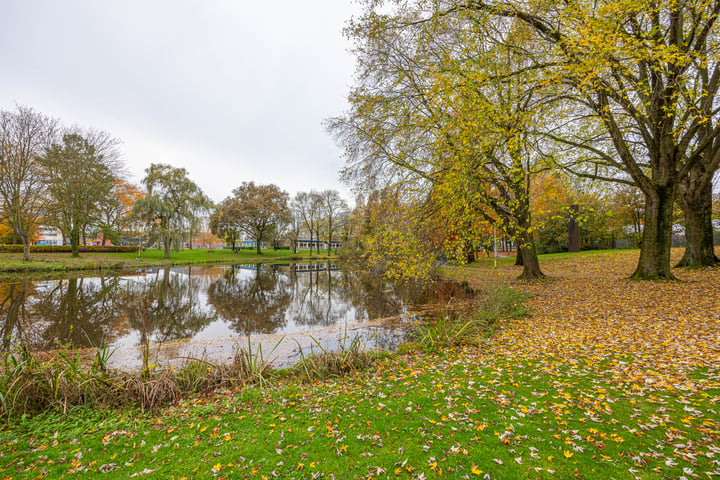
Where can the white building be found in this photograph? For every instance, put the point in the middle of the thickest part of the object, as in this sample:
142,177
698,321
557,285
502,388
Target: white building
49,236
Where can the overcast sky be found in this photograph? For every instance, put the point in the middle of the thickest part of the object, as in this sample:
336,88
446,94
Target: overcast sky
231,90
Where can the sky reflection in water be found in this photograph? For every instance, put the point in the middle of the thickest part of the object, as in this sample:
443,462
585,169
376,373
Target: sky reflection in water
205,302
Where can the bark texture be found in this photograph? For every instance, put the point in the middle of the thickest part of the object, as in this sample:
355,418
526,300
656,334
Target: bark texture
654,261
695,200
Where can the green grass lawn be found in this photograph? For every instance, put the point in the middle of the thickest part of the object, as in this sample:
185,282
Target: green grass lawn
456,416
483,261
606,378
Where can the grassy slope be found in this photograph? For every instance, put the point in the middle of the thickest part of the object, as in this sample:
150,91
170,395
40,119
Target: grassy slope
606,379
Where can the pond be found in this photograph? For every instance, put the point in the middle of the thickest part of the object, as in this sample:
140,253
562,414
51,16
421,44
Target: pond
210,311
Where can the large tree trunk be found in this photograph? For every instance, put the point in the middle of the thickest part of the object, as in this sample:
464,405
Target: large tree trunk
519,257
257,247
654,262
26,249
469,252
695,199
75,243
166,247
531,265
573,231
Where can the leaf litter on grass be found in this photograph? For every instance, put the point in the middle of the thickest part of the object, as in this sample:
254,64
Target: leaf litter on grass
606,378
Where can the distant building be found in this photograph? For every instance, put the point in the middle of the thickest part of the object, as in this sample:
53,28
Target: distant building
49,236
251,244
304,244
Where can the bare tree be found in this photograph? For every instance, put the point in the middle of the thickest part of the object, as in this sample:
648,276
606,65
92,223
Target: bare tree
309,208
24,134
294,227
79,179
335,213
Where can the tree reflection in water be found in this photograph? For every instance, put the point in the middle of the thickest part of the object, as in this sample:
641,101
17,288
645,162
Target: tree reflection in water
252,298
176,303
13,298
318,299
81,311
164,307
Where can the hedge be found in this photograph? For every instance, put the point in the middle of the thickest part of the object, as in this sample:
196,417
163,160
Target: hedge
67,249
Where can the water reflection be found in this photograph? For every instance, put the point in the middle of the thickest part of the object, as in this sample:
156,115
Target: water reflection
73,311
12,306
252,298
166,304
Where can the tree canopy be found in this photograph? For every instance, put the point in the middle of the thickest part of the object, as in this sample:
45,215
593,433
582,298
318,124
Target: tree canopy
79,180
639,83
24,134
261,208
169,203
473,97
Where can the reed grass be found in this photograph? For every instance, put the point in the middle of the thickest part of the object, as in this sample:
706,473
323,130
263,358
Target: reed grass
456,327
34,383
351,357
30,384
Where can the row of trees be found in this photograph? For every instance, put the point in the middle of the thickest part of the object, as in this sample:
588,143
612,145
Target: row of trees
265,212
72,179
65,177
461,105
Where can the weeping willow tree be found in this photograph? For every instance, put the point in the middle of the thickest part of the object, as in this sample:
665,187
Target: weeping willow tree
435,113
170,201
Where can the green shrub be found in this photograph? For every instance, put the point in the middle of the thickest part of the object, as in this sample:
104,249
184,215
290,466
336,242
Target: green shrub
447,331
351,357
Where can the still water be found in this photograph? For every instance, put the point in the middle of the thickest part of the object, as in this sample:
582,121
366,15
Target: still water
208,311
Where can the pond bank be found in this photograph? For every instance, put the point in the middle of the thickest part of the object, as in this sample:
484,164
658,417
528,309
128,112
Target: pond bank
279,351
602,380
149,375
13,267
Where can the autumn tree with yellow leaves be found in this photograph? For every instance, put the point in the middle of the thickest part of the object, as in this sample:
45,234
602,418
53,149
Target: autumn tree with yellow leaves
626,87
434,114
115,213
640,82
